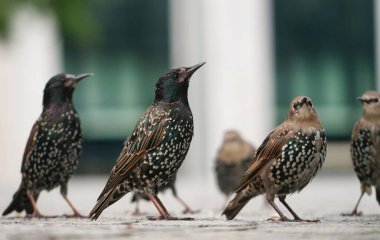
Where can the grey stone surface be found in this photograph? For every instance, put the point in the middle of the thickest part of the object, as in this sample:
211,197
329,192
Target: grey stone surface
329,195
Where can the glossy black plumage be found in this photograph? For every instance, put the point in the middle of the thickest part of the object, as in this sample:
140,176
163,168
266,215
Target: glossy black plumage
157,146
52,151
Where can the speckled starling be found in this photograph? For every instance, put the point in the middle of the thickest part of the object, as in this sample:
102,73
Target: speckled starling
169,185
232,161
286,161
157,146
52,151
365,146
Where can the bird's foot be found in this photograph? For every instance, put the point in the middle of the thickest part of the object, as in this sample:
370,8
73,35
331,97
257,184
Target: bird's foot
285,219
169,218
352,214
190,211
35,214
38,215
75,215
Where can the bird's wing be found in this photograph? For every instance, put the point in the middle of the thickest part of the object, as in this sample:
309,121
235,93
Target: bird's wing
271,148
147,135
30,144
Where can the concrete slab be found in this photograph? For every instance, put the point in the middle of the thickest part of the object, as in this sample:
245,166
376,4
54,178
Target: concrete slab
329,195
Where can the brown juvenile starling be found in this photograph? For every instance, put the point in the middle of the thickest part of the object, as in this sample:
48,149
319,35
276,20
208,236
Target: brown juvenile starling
232,161
365,146
52,151
170,184
157,146
286,161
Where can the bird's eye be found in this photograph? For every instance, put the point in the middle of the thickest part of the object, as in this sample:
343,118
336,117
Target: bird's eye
297,106
310,103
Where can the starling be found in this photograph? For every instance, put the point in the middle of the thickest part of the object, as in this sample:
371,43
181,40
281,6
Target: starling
365,146
52,151
286,161
232,161
170,184
157,146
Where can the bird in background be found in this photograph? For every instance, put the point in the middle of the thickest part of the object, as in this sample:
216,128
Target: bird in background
52,151
157,146
365,147
232,161
170,185
287,160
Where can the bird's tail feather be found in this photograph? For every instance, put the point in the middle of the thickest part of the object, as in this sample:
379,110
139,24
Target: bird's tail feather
378,194
237,204
105,201
20,202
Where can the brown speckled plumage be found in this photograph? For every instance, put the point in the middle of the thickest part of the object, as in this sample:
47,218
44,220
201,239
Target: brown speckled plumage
365,146
232,161
286,161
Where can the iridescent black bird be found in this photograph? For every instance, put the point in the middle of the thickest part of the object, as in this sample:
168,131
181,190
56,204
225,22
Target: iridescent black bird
169,185
232,161
286,161
157,146
52,151
365,146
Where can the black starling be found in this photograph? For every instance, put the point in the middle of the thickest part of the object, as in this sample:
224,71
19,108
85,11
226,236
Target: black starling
232,161
365,146
170,184
52,151
157,146
286,161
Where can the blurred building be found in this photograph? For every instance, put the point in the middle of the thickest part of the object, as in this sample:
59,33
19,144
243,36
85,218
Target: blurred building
259,54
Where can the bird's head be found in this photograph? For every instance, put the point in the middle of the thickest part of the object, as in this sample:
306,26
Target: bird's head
173,85
371,103
301,110
60,87
231,136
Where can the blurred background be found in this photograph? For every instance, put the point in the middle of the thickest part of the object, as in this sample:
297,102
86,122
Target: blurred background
260,54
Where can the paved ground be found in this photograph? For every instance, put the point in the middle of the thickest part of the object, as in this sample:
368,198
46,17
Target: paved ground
325,198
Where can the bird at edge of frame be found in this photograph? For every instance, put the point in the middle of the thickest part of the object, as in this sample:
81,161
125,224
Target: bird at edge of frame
52,150
170,185
232,161
157,146
287,160
365,147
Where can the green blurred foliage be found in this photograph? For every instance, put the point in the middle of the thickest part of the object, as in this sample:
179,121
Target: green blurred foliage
74,17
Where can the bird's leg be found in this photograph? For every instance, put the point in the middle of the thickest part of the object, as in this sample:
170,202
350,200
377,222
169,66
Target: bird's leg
355,211
36,213
164,214
296,217
187,208
76,214
137,212
282,216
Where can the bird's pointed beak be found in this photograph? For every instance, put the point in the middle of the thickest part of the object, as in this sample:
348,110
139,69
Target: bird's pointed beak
191,70
72,80
82,76
361,99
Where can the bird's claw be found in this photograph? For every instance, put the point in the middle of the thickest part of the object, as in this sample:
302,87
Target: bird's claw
75,215
190,211
285,219
353,214
169,218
